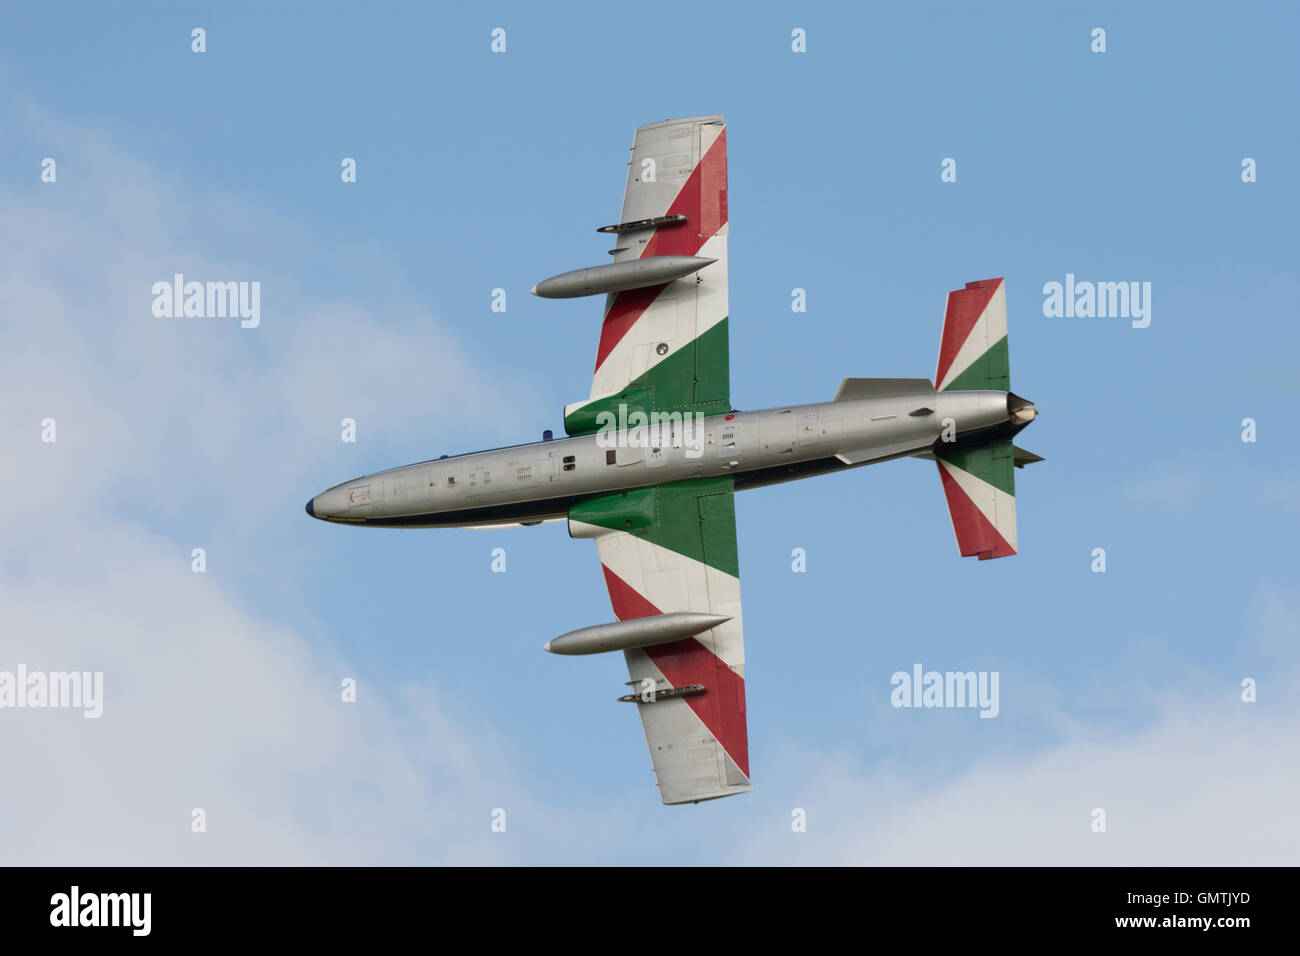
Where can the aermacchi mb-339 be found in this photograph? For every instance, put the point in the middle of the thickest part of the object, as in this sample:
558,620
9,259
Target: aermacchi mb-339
655,453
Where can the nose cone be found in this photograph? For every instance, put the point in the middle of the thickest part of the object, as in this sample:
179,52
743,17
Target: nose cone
337,503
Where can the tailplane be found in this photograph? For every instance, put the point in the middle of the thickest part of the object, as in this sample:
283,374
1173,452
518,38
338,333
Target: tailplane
979,478
981,491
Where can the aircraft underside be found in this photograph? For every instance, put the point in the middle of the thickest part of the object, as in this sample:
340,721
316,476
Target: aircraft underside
653,457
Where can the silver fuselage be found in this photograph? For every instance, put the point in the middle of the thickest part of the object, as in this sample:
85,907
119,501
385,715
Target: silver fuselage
527,484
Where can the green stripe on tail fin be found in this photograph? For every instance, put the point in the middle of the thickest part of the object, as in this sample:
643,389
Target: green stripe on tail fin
980,486
973,349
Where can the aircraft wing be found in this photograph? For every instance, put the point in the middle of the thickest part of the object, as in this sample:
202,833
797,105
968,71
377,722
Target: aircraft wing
669,548
664,347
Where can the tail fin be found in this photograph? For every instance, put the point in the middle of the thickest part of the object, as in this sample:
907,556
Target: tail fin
981,491
973,351
979,480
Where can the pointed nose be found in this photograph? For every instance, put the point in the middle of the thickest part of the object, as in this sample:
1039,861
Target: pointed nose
336,504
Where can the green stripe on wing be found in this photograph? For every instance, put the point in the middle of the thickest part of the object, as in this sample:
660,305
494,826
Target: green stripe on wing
695,518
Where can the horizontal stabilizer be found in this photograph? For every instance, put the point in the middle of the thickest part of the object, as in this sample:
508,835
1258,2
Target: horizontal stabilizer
852,389
1020,457
973,349
979,480
979,486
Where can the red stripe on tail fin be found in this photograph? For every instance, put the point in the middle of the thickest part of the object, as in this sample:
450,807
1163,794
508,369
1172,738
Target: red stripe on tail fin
975,533
965,306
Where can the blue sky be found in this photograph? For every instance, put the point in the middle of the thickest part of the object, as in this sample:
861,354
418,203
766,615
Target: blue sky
479,170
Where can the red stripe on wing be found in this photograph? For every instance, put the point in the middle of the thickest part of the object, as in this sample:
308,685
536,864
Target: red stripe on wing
703,201
722,707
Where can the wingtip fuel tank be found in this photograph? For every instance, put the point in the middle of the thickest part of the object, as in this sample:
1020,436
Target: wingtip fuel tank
619,276
637,632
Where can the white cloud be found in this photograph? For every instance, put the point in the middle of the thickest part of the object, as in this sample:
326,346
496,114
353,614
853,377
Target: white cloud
1209,782
207,704
1198,789
160,404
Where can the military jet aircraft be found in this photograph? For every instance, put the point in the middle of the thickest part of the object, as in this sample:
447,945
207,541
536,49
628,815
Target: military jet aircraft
656,451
